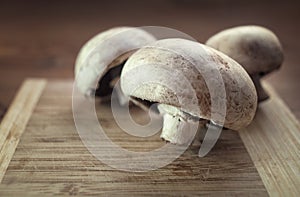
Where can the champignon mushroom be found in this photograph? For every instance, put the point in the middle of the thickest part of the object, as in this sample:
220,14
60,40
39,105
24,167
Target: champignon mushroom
185,58
102,58
256,48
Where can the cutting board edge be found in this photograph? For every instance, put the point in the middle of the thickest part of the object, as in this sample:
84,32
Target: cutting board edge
22,107
16,118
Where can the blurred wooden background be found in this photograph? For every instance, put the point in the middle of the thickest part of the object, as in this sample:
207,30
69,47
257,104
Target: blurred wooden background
42,38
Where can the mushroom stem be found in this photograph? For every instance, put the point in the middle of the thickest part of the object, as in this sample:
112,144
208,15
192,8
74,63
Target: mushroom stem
177,125
261,93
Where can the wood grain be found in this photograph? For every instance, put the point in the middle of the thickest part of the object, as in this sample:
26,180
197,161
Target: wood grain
51,159
273,141
16,119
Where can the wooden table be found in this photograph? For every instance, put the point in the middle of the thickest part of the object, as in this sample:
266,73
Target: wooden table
42,154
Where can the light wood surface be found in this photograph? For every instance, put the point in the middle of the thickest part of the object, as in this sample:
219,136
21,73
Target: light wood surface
16,119
51,159
273,142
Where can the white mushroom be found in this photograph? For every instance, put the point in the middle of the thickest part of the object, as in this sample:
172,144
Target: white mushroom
101,59
186,57
256,48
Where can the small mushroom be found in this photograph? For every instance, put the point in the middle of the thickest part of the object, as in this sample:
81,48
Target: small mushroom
180,56
101,59
256,48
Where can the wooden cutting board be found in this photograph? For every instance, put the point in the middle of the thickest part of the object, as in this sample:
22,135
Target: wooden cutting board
42,154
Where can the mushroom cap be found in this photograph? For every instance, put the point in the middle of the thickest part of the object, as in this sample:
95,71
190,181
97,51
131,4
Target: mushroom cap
105,51
192,60
256,48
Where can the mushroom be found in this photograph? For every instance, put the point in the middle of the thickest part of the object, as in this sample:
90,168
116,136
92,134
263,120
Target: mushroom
185,59
256,48
101,59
